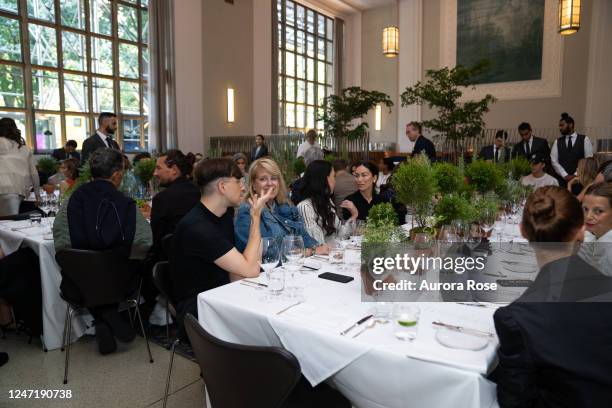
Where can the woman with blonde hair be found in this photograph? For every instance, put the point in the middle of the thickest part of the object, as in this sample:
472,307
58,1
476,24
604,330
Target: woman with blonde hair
279,217
585,175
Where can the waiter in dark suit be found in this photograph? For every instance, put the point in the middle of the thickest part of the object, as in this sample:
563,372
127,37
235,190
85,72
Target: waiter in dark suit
529,144
260,150
421,143
496,152
568,149
67,152
107,126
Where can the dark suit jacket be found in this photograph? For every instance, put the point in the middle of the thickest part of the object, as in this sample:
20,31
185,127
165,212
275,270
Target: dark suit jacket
424,145
262,152
538,145
61,155
486,153
93,143
556,354
169,206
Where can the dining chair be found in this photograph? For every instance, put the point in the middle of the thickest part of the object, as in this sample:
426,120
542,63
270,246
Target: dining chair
242,376
161,279
102,278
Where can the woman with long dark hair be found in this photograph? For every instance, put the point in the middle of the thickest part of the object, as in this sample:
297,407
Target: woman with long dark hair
18,172
555,336
317,208
366,175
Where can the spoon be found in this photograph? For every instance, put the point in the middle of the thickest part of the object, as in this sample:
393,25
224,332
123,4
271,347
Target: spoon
369,324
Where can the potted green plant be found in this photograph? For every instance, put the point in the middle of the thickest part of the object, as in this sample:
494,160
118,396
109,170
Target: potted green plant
516,168
342,114
47,165
442,91
453,207
381,225
143,171
449,178
415,186
484,176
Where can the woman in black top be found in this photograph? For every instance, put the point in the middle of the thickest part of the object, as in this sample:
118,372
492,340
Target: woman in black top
366,174
556,354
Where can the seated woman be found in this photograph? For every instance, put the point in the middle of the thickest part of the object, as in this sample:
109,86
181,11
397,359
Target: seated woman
70,169
278,217
241,161
597,207
317,208
585,175
542,361
366,175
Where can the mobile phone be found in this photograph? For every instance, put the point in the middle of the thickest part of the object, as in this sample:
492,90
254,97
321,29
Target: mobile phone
336,277
514,283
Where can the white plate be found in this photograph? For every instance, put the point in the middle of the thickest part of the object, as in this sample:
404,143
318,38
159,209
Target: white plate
458,340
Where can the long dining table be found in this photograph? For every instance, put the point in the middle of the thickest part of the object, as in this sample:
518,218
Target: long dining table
374,369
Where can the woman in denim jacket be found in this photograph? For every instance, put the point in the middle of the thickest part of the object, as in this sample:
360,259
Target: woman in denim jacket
280,218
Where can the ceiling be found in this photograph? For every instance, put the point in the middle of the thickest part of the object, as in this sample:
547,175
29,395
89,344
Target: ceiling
368,4
349,6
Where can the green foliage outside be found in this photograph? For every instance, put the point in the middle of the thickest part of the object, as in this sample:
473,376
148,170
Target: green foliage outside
48,165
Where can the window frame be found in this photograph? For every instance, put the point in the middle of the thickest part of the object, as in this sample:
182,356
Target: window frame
328,82
89,113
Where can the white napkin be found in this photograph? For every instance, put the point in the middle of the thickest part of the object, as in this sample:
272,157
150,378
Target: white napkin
313,336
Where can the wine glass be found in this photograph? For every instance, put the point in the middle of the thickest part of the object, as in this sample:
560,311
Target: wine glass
270,258
357,231
292,249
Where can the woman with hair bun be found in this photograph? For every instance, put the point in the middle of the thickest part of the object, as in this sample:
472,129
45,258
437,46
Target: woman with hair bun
178,197
552,352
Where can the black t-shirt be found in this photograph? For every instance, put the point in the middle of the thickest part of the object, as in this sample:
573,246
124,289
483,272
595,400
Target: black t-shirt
200,238
363,207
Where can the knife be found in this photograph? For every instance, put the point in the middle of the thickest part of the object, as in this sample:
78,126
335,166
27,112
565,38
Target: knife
359,323
466,330
263,285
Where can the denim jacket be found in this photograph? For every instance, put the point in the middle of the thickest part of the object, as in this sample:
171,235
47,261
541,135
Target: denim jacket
271,224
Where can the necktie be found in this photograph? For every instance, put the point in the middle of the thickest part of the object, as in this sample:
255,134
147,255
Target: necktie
109,142
496,155
527,149
569,142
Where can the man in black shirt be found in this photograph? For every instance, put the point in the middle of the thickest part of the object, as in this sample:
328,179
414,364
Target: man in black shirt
203,256
421,143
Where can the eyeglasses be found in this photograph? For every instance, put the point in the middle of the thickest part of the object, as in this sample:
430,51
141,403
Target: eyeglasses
265,180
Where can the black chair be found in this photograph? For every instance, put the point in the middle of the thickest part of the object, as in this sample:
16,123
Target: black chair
102,278
161,279
242,376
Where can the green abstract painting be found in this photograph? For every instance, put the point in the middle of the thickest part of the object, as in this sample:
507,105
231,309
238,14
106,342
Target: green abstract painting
506,33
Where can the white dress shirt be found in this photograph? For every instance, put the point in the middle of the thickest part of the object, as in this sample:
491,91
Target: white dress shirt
103,137
302,148
554,153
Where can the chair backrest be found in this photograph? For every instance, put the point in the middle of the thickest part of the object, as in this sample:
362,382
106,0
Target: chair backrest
161,278
167,245
102,277
242,376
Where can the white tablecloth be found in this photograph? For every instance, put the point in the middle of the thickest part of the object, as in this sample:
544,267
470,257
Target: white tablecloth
53,307
373,370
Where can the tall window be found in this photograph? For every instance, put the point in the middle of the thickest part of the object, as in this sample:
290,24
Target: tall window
305,62
62,62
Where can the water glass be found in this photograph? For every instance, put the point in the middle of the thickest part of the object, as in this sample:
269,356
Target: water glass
336,253
406,319
35,219
270,258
